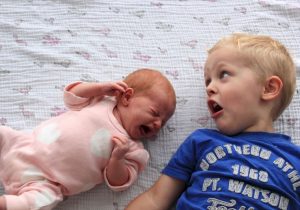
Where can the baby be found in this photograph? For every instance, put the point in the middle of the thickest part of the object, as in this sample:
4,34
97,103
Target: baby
245,164
96,141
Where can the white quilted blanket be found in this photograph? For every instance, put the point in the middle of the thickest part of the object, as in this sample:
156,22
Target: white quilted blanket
45,44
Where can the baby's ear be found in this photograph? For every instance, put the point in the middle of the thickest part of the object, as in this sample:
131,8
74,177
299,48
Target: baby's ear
272,88
126,96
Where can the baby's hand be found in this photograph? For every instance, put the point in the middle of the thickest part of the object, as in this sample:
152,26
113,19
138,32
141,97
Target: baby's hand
122,147
113,88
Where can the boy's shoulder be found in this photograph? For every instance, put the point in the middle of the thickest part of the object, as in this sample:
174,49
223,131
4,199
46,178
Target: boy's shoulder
266,138
206,136
243,135
206,132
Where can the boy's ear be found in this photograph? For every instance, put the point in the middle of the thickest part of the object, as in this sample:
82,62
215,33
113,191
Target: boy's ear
126,96
272,88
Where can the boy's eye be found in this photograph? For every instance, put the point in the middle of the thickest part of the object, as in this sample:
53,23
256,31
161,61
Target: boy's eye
207,81
224,74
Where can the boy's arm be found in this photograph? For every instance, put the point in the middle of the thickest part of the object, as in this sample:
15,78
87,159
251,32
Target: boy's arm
92,89
160,196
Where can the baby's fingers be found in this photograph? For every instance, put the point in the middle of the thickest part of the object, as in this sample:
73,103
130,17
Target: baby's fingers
121,145
120,86
119,141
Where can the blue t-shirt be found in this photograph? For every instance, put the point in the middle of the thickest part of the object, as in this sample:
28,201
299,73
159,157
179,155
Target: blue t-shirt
251,170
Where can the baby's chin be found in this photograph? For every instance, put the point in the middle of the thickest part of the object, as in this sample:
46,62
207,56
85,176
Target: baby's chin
135,136
146,138
149,138
140,136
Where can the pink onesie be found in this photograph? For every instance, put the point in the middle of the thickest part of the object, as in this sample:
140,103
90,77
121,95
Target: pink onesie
65,155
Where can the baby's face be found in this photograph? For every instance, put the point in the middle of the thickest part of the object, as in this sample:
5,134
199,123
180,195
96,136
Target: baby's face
146,114
234,92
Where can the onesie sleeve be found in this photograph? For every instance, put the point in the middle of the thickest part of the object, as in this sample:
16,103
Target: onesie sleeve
73,101
136,160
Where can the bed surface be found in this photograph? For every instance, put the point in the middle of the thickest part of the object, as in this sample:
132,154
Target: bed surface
46,44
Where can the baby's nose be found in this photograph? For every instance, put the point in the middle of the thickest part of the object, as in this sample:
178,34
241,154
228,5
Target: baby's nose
157,124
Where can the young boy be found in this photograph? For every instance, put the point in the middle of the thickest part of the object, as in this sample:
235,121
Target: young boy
245,165
96,141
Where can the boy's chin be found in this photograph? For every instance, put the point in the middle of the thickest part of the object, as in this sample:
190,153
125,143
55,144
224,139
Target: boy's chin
228,131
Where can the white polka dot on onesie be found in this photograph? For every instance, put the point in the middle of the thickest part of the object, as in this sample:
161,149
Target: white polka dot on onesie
49,133
101,144
44,198
31,174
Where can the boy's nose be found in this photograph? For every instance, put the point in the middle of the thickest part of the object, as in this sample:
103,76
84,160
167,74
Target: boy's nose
210,89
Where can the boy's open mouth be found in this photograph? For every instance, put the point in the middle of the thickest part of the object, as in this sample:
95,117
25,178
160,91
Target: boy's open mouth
214,107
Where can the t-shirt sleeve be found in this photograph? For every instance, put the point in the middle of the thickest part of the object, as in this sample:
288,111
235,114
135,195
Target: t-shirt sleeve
183,162
136,160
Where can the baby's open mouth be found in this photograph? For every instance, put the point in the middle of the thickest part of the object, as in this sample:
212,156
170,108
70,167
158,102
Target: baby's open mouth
144,129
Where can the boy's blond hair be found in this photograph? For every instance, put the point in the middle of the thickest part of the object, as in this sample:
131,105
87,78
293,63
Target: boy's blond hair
267,57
